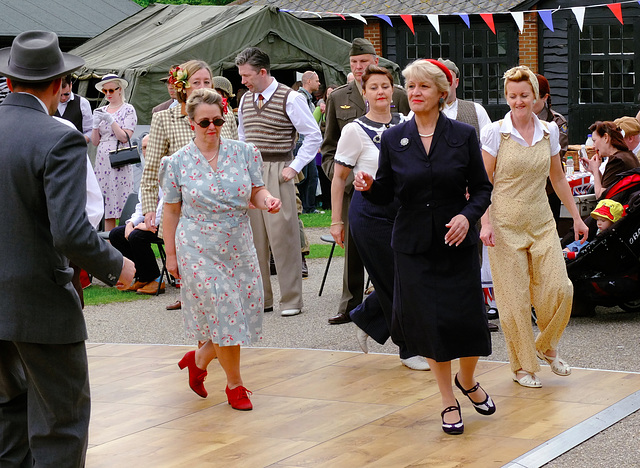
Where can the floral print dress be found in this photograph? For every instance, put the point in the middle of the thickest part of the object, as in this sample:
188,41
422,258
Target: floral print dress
221,291
116,183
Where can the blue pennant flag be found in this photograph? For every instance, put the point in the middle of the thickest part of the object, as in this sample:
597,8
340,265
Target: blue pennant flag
465,18
545,15
386,18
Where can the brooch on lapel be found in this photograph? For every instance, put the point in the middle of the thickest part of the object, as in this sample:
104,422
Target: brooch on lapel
345,107
404,142
376,139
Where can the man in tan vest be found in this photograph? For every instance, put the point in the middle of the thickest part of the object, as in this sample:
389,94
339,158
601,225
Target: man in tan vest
269,116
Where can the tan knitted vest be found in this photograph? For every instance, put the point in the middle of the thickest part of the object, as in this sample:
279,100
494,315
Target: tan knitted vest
269,128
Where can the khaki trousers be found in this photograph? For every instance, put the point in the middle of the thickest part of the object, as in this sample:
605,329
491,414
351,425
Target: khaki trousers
279,232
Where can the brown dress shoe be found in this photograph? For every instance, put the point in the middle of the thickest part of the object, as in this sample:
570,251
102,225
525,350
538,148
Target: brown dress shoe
339,319
151,288
134,286
493,327
175,306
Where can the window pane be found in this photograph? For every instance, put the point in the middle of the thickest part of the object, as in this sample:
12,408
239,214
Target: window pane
598,96
616,95
586,96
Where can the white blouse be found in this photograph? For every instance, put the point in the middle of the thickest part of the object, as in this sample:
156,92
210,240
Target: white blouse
490,135
356,150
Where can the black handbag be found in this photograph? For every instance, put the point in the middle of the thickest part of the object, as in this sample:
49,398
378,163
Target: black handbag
124,156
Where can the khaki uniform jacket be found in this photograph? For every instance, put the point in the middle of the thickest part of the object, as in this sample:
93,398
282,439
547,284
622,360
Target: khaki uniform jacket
344,105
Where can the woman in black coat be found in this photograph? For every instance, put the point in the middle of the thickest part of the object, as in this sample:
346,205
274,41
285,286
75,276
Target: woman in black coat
434,168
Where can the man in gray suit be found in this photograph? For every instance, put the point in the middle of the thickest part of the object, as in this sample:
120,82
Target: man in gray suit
44,384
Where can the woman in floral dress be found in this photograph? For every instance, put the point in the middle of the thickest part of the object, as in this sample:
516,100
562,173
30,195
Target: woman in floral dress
112,123
208,187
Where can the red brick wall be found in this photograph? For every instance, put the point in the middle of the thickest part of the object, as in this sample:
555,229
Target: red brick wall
528,47
373,33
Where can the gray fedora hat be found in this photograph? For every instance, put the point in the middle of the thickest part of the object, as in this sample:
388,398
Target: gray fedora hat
35,56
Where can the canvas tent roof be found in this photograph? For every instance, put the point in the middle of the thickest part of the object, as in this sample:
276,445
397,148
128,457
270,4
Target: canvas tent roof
143,47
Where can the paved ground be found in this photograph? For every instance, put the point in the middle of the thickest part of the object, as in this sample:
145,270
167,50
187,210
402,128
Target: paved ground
610,340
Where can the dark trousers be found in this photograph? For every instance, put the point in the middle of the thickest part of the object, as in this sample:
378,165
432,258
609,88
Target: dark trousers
353,275
371,227
307,188
137,249
325,187
44,405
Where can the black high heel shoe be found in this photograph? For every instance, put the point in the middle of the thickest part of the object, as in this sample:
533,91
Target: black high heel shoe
455,428
487,407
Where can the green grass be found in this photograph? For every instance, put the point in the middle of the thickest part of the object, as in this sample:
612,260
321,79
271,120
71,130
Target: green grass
313,220
323,250
96,295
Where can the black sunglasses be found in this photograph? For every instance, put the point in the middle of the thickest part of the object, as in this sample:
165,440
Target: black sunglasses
204,123
66,94
110,91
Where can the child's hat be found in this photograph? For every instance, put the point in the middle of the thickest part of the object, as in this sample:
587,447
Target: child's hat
608,209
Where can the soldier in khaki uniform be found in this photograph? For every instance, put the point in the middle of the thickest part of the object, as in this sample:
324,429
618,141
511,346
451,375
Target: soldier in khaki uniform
344,105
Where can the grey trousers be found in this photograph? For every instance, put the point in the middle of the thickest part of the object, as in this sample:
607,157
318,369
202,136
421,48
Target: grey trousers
44,405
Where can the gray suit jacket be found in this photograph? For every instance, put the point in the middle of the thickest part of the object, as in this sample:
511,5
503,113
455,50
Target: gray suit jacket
43,224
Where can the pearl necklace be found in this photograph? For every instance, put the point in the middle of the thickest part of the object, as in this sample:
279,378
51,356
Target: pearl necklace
214,156
428,135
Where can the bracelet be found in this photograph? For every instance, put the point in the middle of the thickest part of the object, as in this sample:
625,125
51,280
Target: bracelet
265,201
337,223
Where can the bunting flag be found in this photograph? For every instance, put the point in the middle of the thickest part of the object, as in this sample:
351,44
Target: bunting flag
616,9
358,17
408,19
488,18
579,14
435,22
518,17
545,15
388,20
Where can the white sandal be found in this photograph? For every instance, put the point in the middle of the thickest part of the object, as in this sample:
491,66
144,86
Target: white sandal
558,365
527,380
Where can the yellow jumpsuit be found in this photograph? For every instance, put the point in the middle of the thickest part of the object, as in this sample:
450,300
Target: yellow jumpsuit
526,261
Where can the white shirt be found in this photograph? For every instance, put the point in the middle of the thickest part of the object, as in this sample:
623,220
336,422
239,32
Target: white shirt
356,149
302,119
490,136
95,202
636,150
451,111
85,110
138,216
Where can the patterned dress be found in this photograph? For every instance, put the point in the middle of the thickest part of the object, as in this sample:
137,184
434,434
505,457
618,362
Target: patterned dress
221,292
116,184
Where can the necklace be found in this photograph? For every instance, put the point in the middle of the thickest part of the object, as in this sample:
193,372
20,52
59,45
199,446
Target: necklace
428,135
213,157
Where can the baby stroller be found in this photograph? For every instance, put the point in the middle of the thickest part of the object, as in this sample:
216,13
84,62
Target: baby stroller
607,271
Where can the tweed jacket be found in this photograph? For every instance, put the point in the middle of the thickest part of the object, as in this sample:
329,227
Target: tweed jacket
43,193
170,131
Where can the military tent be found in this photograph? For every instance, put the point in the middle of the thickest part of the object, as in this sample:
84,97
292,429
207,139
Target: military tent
144,46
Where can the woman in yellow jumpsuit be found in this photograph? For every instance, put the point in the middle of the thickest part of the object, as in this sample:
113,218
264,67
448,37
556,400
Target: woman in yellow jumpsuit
528,268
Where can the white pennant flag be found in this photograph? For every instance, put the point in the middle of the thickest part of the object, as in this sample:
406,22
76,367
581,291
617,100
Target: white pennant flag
358,17
579,13
434,22
518,16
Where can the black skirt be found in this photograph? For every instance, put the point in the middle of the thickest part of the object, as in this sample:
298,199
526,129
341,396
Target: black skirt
438,307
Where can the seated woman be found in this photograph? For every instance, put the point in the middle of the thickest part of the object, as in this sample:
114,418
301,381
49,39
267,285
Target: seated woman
134,240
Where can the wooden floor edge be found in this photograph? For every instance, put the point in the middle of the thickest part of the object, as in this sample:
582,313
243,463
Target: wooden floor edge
578,434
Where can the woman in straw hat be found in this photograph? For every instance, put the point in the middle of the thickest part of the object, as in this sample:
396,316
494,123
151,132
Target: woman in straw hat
113,123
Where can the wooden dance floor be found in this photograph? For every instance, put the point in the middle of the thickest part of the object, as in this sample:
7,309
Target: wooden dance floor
322,409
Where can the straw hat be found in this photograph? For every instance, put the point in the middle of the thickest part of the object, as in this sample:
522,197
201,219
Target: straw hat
109,78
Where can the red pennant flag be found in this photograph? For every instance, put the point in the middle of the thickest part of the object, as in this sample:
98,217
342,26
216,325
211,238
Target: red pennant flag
408,19
616,9
488,18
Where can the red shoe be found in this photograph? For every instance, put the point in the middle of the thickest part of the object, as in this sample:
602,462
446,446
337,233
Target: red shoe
238,398
196,375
